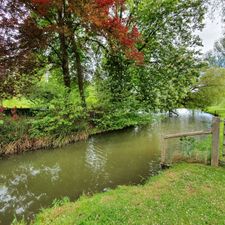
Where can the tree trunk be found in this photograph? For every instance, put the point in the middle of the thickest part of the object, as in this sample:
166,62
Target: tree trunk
64,53
80,73
65,61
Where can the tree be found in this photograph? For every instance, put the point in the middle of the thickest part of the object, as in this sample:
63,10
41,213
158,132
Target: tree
216,57
118,32
71,25
209,90
171,63
170,45
17,54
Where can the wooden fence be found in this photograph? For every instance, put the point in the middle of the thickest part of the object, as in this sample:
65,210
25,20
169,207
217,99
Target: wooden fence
215,131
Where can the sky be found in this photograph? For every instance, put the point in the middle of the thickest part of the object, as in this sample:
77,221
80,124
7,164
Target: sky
212,32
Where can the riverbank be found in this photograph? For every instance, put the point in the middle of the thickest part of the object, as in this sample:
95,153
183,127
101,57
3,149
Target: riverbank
27,143
183,194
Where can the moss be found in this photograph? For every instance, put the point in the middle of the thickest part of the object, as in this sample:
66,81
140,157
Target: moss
184,194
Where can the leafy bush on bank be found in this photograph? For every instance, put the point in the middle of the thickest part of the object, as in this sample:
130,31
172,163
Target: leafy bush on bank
61,124
60,118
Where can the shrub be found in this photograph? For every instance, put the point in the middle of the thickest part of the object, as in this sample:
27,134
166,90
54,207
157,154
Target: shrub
12,130
118,119
60,118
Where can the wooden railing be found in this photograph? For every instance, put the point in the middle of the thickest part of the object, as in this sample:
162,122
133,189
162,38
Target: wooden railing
215,131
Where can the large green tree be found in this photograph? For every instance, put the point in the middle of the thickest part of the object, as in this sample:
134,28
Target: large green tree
171,61
69,34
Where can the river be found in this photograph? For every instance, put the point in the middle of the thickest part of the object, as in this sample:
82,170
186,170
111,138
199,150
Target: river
31,181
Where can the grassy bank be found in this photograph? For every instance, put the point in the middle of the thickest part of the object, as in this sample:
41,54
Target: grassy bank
184,194
26,143
217,110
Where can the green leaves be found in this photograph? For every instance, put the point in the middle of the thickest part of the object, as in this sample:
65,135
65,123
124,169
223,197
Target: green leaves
209,90
171,62
60,118
120,119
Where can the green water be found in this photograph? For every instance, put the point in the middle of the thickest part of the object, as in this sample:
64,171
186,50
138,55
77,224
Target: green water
31,181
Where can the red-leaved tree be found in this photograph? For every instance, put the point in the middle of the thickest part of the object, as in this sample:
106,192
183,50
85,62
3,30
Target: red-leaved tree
29,28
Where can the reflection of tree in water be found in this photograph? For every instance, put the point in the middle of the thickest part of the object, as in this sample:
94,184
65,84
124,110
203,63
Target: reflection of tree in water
15,194
95,157
96,160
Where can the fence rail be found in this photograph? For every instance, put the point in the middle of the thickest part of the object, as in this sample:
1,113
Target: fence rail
187,134
215,131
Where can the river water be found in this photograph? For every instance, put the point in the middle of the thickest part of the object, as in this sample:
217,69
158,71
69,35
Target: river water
31,181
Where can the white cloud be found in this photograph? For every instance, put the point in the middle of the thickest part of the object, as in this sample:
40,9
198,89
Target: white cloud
212,32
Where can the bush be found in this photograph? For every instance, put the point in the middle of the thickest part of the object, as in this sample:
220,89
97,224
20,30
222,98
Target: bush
12,130
118,119
59,119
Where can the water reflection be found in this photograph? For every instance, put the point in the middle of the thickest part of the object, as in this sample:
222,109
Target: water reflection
16,193
95,156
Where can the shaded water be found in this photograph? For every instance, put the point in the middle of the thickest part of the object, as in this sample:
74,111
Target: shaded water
33,180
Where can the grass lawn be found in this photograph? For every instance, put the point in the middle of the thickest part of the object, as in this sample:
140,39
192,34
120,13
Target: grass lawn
184,194
18,102
220,110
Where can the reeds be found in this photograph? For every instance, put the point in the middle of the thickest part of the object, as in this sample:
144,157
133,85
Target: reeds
31,144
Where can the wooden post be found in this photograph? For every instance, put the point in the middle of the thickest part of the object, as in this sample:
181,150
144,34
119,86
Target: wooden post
215,141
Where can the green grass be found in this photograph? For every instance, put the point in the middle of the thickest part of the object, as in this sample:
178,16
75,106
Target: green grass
184,194
220,110
18,102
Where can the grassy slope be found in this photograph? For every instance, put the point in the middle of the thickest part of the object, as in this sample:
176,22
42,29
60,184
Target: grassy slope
184,194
